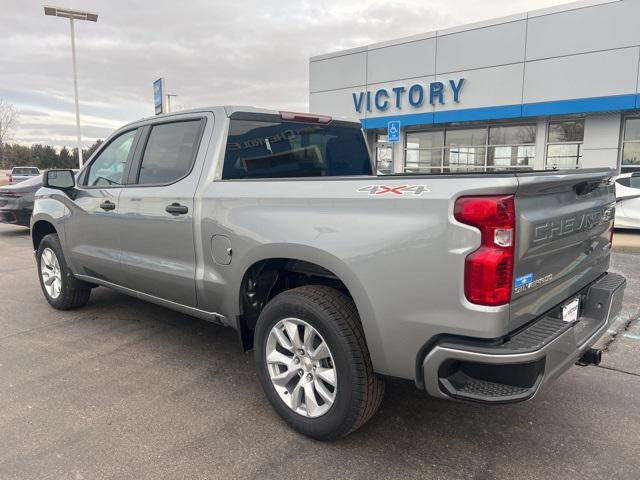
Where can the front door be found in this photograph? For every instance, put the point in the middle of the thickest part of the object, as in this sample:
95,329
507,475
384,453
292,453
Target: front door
92,230
156,212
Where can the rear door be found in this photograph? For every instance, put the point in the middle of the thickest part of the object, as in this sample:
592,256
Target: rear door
156,210
563,232
91,232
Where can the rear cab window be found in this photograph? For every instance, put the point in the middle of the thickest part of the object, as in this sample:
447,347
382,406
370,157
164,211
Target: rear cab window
25,171
269,147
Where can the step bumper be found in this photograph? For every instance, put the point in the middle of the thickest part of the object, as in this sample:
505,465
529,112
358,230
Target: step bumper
515,368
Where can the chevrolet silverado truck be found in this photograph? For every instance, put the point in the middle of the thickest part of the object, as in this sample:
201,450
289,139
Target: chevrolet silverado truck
476,286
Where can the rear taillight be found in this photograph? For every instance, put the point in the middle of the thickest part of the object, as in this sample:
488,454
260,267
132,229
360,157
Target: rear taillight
488,271
7,194
10,179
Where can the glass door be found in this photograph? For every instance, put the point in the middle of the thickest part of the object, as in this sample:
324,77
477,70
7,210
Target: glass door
384,155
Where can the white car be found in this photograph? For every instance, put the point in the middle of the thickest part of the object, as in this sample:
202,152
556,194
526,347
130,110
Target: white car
20,174
628,200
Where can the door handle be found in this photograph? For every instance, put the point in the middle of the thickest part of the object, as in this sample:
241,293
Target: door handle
107,205
176,209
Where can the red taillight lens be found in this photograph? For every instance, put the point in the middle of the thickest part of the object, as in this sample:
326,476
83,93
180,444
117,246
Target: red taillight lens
7,194
304,117
488,273
10,179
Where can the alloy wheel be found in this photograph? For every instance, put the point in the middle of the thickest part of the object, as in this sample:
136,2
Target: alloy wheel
301,367
50,273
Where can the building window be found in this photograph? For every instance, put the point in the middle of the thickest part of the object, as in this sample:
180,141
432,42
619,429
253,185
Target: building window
384,155
631,146
423,152
564,144
499,147
511,147
465,150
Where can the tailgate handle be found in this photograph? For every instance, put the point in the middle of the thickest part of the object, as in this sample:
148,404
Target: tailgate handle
583,188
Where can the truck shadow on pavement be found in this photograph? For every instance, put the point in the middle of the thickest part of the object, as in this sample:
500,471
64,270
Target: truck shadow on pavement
15,232
411,430
131,388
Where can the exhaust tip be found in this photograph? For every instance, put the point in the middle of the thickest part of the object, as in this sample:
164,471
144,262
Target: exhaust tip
591,356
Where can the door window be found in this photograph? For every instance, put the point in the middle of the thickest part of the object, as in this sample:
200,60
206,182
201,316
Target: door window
108,167
169,153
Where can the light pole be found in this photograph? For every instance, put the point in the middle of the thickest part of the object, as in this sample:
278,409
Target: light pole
73,15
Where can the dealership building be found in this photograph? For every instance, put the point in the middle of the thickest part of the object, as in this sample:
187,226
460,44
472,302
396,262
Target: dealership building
552,88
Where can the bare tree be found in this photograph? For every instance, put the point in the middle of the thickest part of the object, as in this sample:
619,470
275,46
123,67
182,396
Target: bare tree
8,119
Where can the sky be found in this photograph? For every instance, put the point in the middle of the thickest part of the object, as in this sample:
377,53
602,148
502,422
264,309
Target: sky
243,52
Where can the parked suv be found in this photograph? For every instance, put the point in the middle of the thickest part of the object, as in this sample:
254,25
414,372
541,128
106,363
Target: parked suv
478,287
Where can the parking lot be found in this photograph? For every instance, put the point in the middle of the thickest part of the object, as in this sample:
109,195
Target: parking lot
125,389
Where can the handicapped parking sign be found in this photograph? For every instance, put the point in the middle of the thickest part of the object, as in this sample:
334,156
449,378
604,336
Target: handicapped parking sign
393,131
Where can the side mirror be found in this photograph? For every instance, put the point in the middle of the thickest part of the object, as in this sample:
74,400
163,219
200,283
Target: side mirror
59,179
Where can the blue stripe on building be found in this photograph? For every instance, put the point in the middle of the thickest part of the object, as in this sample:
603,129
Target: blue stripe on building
559,107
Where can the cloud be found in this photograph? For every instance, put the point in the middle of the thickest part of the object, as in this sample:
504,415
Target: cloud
32,113
246,52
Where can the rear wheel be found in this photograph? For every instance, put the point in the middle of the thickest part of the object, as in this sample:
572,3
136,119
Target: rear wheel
61,289
313,362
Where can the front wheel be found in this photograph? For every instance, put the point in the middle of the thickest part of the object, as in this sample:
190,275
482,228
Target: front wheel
61,289
313,362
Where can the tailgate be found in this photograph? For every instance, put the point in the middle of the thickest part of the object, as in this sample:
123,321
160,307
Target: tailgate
563,230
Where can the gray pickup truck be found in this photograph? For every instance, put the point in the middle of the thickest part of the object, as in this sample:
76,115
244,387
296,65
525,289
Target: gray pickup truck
475,286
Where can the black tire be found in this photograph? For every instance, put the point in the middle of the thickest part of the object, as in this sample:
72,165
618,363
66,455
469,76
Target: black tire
73,292
359,390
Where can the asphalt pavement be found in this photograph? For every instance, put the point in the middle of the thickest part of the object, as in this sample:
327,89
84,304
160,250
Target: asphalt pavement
122,389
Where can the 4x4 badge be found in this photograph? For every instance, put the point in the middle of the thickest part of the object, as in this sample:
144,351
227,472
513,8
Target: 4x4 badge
401,190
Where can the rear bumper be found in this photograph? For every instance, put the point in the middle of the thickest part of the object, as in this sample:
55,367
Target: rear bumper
514,368
17,217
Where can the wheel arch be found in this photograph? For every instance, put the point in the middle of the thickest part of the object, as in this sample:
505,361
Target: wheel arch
39,230
50,211
318,266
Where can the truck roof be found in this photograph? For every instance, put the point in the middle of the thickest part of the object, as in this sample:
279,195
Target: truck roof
231,109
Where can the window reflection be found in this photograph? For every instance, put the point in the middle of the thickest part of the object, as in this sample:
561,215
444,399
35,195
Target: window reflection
384,155
564,144
631,145
458,149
